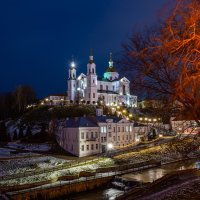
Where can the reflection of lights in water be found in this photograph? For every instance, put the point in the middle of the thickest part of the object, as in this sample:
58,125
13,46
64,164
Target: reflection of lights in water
150,175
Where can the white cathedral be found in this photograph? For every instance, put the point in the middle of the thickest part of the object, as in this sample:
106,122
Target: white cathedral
110,90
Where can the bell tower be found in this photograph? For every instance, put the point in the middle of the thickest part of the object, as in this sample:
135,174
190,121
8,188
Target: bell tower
72,83
91,92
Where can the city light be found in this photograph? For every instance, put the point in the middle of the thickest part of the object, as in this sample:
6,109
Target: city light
110,145
73,64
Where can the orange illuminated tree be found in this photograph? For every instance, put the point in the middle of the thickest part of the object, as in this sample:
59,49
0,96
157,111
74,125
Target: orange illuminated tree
166,60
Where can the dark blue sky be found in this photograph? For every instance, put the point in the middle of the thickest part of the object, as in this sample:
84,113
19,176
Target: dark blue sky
38,37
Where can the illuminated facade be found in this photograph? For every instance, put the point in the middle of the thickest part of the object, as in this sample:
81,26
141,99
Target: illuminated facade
109,90
86,136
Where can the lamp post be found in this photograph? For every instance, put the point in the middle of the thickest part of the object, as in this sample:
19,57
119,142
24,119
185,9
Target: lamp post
109,147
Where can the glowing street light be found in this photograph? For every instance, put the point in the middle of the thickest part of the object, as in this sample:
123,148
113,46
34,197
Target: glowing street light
110,146
124,111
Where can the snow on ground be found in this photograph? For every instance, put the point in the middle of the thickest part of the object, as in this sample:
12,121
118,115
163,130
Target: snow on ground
9,167
30,147
11,153
91,166
5,152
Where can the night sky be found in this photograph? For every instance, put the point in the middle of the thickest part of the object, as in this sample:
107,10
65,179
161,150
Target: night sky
38,37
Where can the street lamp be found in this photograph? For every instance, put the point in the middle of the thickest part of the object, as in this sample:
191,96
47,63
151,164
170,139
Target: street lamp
110,146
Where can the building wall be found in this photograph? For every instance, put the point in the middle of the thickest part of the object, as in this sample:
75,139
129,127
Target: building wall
89,141
86,141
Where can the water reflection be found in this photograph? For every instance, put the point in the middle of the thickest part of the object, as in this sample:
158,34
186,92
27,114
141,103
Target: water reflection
145,176
150,175
106,193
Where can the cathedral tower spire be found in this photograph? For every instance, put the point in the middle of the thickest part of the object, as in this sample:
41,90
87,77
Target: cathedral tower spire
110,61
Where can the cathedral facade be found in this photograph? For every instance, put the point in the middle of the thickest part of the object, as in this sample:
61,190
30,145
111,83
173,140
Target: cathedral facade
109,90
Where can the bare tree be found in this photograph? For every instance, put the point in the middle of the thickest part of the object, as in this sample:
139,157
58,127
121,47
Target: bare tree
166,60
24,95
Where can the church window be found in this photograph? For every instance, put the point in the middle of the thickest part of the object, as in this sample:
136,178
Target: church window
93,95
124,89
93,81
111,78
101,87
106,87
93,70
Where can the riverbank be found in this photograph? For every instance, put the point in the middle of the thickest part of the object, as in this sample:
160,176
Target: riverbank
175,185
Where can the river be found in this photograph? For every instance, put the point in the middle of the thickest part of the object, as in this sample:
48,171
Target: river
147,175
